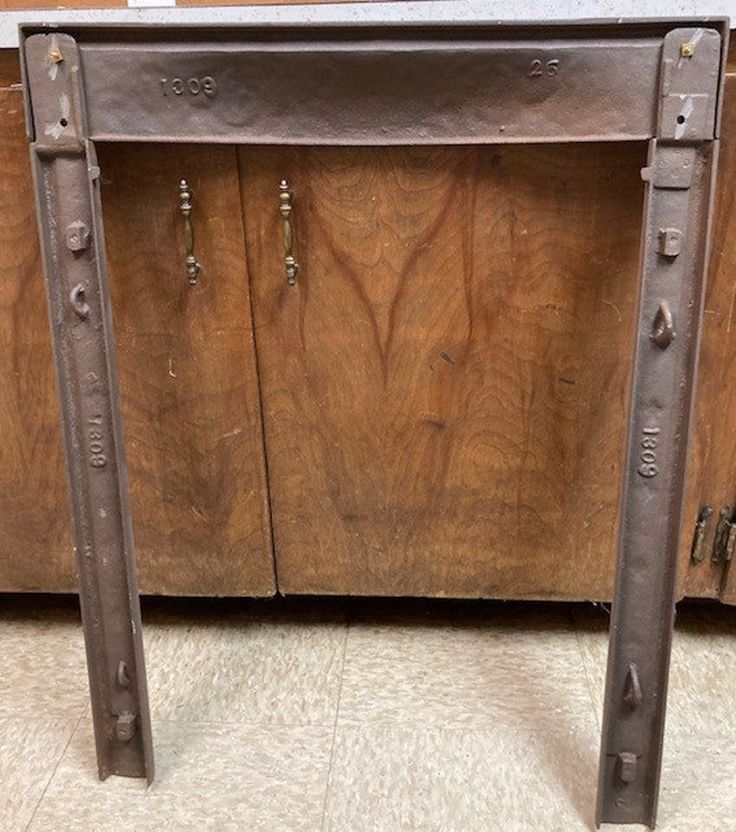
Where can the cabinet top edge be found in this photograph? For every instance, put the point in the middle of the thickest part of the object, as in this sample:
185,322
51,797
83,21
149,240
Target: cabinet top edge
625,28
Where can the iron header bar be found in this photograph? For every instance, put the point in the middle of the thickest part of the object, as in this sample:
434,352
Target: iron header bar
366,85
390,93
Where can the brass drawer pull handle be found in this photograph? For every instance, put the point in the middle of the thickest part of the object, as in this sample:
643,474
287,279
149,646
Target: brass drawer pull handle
185,206
285,206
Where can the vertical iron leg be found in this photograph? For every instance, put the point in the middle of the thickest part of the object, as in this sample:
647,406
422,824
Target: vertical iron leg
69,213
674,244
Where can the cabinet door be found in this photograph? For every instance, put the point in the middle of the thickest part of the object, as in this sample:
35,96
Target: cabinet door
189,384
445,387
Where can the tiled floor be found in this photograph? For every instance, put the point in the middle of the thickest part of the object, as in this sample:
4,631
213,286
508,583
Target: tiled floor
356,716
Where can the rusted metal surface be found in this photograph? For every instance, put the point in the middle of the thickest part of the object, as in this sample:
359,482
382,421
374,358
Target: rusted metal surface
678,180
653,81
67,188
480,91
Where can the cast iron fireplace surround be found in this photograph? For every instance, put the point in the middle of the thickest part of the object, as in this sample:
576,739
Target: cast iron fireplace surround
654,81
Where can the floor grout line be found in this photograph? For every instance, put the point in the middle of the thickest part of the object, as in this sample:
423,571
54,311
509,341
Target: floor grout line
237,723
334,727
56,768
588,679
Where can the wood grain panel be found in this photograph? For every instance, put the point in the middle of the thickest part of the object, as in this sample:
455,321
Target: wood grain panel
35,547
712,469
188,375
10,73
445,388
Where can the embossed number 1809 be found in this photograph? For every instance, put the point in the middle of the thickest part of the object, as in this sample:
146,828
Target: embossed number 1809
648,454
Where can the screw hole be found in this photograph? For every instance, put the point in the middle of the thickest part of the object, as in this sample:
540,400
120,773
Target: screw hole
680,119
63,122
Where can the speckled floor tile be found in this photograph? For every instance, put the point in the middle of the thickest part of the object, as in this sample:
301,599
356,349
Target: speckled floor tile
250,664
498,779
42,646
30,750
702,693
464,668
698,791
448,717
393,779
223,778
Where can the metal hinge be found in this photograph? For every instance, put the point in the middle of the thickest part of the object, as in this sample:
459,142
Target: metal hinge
725,539
697,550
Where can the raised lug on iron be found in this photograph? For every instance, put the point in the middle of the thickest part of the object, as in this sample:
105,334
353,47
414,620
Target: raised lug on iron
627,766
670,242
663,326
125,726
77,236
632,688
122,675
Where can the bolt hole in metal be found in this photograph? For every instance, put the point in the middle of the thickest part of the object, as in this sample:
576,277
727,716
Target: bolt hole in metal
63,122
680,119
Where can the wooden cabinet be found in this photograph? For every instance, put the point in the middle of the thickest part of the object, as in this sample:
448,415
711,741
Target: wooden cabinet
442,394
